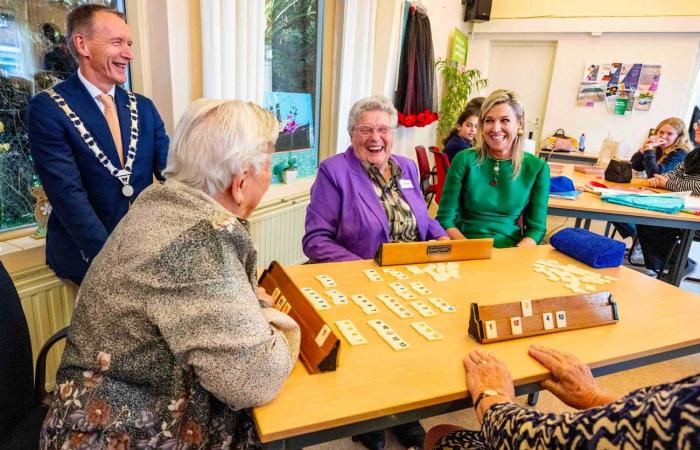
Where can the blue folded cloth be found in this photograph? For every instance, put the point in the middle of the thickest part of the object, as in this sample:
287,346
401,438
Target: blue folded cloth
590,248
570,195
561,184
659,203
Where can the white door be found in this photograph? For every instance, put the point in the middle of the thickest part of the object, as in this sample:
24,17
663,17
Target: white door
526,68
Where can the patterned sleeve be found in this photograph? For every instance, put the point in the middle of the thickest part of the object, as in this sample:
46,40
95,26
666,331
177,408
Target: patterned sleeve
680,181
662,416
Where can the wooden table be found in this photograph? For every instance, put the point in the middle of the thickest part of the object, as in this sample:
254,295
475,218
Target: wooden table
375,387
590,207
575,157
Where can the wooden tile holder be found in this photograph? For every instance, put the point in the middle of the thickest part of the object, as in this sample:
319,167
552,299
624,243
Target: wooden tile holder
316,358
582,311
395,253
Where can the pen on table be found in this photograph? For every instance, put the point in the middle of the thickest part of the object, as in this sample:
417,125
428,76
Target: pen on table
687,211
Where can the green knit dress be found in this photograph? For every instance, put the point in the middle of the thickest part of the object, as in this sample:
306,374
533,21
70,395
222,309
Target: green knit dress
471,203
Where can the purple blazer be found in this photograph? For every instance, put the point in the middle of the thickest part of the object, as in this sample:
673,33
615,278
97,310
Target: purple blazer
345,219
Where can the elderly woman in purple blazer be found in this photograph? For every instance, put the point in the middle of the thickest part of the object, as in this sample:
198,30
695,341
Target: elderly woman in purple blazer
362,198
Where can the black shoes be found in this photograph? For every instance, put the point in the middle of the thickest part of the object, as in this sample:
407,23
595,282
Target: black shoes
373,440
409,435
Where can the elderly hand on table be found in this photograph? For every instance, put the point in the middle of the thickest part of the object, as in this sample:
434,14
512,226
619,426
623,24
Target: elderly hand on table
659,181
570,379
486,373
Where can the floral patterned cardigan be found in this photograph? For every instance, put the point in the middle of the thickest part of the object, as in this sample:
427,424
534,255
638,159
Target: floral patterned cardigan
169,345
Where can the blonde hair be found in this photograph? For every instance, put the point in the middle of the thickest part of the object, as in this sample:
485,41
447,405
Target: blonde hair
216,139
683,139
513,100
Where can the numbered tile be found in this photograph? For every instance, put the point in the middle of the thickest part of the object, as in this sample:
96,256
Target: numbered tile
516,325
325,280
350,332
423,309
442,305
337,297
373,275
490,329
526,306
426,331
561,319
322,335
548,320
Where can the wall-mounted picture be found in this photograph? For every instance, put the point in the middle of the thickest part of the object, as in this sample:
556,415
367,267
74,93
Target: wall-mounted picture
293,112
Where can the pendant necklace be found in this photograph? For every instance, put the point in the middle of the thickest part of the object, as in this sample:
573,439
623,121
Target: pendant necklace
496,170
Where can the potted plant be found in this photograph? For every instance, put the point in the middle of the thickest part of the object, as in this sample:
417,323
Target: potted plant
459,84
289,174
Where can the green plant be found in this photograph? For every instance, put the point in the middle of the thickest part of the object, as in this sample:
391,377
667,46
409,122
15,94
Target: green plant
459,84
292,163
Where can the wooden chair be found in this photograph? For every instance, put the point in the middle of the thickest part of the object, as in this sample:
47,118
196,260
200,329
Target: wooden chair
427,176
442,164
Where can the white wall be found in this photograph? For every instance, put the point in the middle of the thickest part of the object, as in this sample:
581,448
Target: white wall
676,54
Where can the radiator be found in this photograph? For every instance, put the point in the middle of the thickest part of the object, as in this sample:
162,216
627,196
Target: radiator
277,231
48,306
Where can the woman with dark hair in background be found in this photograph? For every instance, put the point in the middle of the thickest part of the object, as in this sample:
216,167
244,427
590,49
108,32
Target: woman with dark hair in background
463,135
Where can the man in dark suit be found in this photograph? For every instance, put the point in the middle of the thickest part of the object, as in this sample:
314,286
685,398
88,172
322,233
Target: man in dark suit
95,145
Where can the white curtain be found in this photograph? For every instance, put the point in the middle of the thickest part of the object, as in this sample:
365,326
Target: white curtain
356,62
233,49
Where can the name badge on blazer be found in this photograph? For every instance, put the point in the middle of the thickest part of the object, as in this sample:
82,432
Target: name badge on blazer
405,184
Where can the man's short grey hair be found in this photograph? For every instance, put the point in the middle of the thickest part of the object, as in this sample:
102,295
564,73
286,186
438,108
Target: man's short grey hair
216,139
373,103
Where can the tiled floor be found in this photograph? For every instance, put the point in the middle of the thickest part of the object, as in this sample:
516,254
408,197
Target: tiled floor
619,383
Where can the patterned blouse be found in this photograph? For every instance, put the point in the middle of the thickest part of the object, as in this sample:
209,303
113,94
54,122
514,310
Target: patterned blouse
402,222
168,345
666,416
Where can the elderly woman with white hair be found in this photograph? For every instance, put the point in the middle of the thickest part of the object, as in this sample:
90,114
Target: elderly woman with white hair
366,195
171,341
362,198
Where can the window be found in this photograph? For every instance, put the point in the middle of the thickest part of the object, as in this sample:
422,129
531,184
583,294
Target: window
33,57
293,42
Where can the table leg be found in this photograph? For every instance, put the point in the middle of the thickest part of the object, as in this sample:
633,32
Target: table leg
577,224
586,224
533,397
677,269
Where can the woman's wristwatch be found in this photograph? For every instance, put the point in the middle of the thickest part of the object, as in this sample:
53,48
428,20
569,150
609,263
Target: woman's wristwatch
485,393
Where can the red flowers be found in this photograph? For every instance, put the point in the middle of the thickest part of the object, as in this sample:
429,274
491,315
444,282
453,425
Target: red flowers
418,120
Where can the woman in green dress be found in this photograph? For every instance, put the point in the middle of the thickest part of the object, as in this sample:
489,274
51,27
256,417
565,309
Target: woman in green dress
488,188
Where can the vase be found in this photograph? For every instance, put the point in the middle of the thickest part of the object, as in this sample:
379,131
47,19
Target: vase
289,176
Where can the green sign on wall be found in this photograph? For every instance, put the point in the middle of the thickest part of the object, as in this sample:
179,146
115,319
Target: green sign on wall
460,44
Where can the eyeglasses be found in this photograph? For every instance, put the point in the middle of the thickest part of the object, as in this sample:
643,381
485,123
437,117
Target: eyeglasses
365,130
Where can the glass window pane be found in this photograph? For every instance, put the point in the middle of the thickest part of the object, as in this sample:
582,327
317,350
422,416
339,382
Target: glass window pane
293,62
33,57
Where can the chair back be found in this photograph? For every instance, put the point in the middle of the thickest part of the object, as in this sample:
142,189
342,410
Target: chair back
16,365
423,167
442,164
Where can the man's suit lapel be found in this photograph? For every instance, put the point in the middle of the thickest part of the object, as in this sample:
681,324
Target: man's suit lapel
80,101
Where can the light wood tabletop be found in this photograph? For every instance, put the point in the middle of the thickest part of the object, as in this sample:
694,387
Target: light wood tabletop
592,203
657,320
